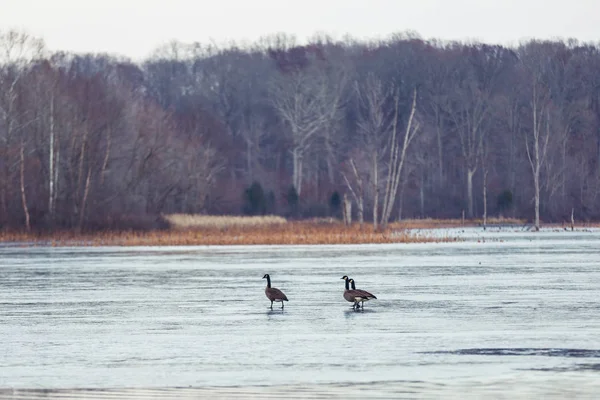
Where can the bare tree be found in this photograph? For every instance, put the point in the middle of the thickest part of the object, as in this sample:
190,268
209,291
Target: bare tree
471,134
45,87
435,94
307,100
484,170
469,104
537,59
234,85
17,50
357,190
397,150
374,126
536,142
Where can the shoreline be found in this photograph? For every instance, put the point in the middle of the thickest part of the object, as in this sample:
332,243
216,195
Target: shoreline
288,233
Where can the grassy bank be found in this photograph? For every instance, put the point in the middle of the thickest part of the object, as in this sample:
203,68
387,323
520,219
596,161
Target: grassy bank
214,230
193,230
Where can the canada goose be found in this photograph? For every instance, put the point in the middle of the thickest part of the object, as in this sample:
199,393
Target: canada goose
352,296
364,295
274,294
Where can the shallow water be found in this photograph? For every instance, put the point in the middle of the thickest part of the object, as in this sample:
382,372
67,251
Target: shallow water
505,315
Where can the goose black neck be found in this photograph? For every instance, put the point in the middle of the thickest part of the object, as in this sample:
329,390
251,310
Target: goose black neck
353,286
347,284
268,281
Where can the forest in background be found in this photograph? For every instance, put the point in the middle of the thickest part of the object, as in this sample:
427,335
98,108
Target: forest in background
402,127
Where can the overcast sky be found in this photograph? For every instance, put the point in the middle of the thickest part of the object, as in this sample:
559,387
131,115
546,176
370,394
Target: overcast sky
135,27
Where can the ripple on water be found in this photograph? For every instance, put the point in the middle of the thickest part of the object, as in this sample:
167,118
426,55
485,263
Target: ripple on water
548,352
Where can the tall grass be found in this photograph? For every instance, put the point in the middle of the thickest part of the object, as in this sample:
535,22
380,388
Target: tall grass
193,221
231,232
196,230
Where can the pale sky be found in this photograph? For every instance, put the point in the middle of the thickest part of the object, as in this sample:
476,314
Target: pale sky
134,28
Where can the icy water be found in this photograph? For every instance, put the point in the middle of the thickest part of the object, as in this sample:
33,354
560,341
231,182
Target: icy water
499,315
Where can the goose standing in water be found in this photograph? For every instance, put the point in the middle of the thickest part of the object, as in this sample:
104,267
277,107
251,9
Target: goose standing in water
274,294
364,295
353,296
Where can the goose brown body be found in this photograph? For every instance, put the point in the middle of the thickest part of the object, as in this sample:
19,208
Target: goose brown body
363,295
274,294
351,295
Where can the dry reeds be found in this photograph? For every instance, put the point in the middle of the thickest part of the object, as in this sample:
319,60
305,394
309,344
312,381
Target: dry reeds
193,221
289,233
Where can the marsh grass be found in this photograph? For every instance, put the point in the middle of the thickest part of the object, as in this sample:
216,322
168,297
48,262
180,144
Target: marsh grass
229,232
192,221
193,230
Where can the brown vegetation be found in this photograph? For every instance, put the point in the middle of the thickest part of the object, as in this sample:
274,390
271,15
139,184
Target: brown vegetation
198,230
193,221
230,231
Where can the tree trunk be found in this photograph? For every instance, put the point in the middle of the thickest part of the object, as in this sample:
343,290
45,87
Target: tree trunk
536,169
484,199
422,196
297,169
329,158
536,182
539,154
23,196
484,171
375,192
361,211
358,194
440,153
401,200
470,173
51,163
57,181
82,151
361,196
347,210
85,197
106,154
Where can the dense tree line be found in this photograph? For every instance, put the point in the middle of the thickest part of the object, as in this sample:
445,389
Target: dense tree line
402,127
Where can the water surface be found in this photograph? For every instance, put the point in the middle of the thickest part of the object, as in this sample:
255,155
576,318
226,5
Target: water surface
507,314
